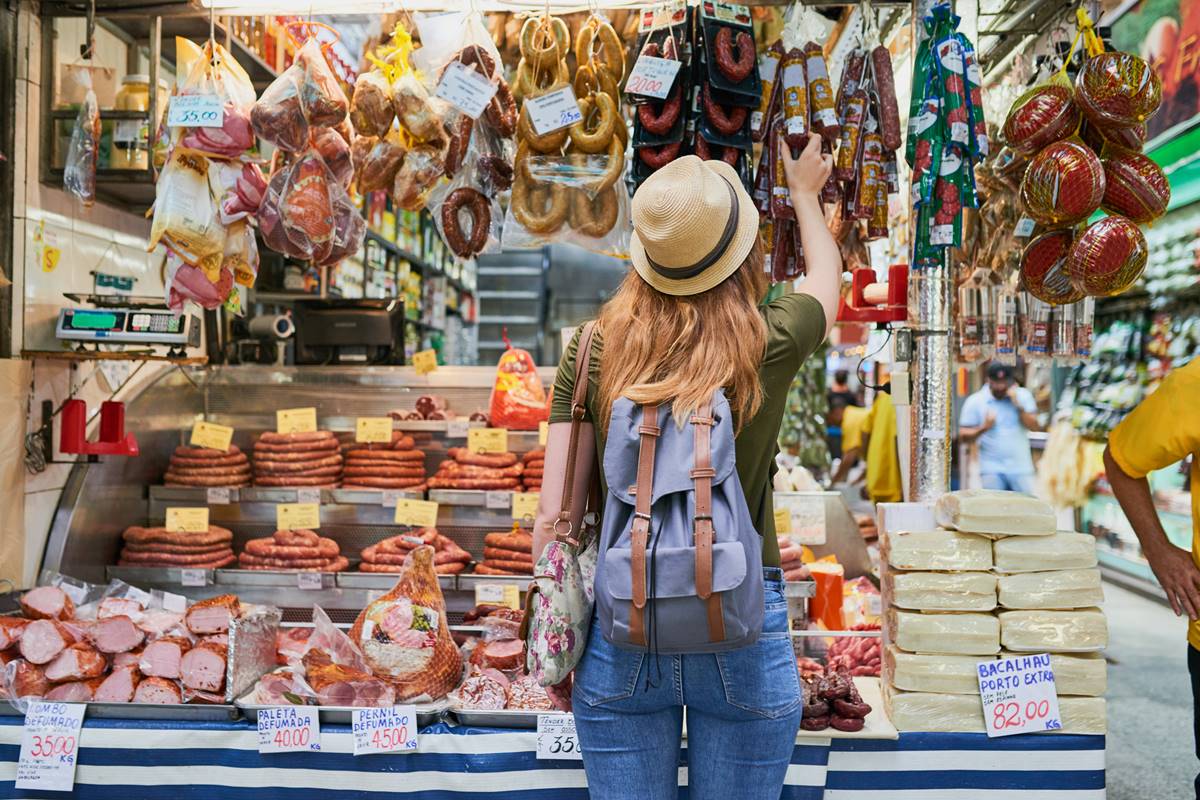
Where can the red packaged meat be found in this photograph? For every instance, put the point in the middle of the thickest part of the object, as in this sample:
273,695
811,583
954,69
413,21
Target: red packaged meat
1134,187
1063,185
1044,268
1117,89
1043,115
1109,256
518,400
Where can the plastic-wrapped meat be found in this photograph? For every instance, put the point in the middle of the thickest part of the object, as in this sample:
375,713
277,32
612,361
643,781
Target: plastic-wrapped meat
234,137
159,622
349,228
482,692
338,685
280,688
277,116
243,197
321,98
162,657
219,639
25,679
78,662
290,644
115,635
75,691
11,629
306,209
47,602
336,153
118,607
212,615
119,686
203,667
158,691
506,655
44,639
525,693
132,658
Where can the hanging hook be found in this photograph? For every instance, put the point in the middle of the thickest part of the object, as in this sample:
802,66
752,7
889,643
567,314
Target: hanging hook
87,49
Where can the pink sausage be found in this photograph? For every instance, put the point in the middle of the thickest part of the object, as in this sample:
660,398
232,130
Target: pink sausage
203,668
161,658
119,686
159,691
78,662
44,639
115,635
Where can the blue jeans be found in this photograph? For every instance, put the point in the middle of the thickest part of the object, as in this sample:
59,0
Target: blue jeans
743,712
1008,482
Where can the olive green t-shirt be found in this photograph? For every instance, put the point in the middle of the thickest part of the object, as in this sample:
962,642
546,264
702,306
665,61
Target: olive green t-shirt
795,328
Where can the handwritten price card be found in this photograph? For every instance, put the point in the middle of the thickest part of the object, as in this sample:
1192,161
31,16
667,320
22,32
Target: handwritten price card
296,420
556,738
652,77
373,429
288,729
297,516
417,513
524,505
50,746
502,594
1018,695
465,89
187,520
553,110
425,361
210,434
196,110
384,730
487,440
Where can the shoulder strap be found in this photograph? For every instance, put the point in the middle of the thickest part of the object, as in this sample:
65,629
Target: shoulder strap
702,475
648,433
583,362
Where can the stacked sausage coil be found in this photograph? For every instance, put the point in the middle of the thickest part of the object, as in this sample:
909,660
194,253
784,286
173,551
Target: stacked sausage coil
298,459
203,466
531,476
300,550
158,547
507,553
480,471
389,465
390,554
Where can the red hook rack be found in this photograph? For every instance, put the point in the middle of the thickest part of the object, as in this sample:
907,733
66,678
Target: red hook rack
892,309
114,441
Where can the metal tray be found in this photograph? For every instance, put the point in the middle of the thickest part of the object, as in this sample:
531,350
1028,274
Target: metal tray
384,581
499,718
427,713
467,581
148,711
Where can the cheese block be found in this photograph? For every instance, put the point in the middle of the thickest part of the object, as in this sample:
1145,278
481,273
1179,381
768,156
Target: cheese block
993,513
1076,674
955,634
941,591
1082,630
938,550
1083,715
921,672
931,712
1067,588
1063,550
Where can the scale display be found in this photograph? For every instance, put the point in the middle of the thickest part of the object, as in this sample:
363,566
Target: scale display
142,326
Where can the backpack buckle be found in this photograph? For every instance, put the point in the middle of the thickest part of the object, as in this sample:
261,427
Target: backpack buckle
703,472
578,412
649,430
699,420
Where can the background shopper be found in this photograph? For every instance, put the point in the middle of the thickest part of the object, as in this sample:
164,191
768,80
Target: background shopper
884,484
1000,416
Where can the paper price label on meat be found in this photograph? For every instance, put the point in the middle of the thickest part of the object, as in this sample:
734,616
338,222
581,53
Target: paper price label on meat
297,516
487,440
425,361
553,110
457,428
50,746
174,602
497,498
296,420
525,505
219,496
373,429
543,432
195,110
288,729
384,730
210,434
465,89
783,520
417,513
652,76
556,738
187,520
1018,695
500,594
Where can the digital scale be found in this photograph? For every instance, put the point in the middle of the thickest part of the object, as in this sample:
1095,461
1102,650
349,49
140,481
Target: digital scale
144,326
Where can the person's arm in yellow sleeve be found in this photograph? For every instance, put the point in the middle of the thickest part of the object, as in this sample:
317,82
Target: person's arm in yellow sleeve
1163,429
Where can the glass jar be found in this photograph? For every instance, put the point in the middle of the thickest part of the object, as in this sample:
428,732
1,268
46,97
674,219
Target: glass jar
131,137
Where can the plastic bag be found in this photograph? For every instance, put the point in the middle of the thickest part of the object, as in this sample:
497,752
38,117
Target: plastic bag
241,253
371,110
418,112
79,171
321,97
278,116
244,188
349,228
216,76
422,167
269,219
518,400
336,672
186,210
187,282
335,152
306,207
376,161
467,218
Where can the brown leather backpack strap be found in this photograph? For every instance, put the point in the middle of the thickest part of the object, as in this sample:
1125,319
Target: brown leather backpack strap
640,530
583,359
702,474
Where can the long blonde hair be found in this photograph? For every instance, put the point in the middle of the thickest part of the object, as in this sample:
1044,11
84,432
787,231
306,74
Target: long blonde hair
659,348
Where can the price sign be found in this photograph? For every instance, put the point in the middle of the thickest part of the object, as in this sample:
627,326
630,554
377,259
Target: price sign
457,428
553,110
501,594
296,420
524,505
556,737
308,495
50,746
187,520
1024,227
218,496
783,521
373,429
418,513
310,581
288,729
652,77
384,730
210,434
425,361
297,516
193,577
487,440
1018,695
391,497
497,498
465,89
196,110
543,432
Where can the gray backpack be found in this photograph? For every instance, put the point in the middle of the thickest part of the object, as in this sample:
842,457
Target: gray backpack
680,563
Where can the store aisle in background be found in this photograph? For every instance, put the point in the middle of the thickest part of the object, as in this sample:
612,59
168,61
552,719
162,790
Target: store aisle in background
1150,748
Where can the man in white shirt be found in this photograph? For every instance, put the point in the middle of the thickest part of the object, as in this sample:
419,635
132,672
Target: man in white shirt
1000,416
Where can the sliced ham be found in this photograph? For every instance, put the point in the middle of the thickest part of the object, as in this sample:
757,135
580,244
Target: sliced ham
132,658
203,667
116,634
78,662
212,615
47,602
220,639
505,655
119,686
44,639
162,657
11,629
206,698
290,644
158,691
29,680
75,691
273,688
117,607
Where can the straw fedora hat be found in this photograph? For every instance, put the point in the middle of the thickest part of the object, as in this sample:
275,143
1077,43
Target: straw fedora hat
693,226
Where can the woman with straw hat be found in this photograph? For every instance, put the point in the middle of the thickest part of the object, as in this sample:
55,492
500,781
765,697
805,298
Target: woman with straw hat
689,319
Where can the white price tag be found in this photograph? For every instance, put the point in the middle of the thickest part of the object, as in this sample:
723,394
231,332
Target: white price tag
288,729
553,110
465,89
652,76
219,497
50,746
941,234
308,495
384,730
310,581
1024,227
193,577
196,110
391,497
498,499
1018,695
176,603
457,428
556,737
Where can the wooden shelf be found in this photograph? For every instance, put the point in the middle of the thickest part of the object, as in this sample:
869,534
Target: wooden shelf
94,355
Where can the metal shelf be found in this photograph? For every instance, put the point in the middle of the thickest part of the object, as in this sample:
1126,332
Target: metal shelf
96,355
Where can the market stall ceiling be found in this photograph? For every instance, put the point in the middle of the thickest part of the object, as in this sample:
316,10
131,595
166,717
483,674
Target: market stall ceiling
302,7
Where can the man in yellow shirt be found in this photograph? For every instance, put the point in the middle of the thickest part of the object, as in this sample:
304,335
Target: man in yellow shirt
1162,430
850,419
879,443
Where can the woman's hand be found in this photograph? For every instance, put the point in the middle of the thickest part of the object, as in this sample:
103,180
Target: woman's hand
807,174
